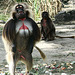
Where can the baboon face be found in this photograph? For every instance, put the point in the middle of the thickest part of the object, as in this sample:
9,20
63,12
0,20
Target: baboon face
45,15
20,11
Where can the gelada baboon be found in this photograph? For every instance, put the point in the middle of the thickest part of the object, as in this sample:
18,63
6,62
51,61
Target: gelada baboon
20,35
47,27
48,30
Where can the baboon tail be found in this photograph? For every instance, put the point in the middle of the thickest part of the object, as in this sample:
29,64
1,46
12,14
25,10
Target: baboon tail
41,53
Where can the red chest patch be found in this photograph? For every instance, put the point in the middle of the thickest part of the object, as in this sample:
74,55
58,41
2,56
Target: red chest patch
23,27
44,22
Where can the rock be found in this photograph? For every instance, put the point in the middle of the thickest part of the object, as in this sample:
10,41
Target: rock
1,21
60,16
6,66
47,72
65,16
73,62
64,1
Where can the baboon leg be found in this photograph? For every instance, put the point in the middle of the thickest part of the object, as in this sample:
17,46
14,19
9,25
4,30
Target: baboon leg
28,63
12,63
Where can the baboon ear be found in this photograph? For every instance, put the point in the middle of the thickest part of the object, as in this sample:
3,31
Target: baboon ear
27,13
13,15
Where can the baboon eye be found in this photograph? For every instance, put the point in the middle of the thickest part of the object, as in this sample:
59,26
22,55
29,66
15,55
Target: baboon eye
20,6
17,7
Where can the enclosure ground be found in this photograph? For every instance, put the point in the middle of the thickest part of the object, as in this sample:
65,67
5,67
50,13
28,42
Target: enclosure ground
58,50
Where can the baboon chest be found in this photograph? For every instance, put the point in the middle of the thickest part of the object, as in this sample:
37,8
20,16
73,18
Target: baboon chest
23,32
45,26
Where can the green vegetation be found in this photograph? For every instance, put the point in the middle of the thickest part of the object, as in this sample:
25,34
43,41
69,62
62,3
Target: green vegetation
37,7
4,17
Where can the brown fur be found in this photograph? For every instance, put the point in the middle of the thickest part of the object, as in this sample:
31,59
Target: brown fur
48,30
47,27
20,47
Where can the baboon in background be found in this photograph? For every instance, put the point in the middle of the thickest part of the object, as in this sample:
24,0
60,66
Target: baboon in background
48,30
47,27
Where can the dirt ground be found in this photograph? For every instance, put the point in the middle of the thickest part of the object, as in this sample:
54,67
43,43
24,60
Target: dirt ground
61,50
